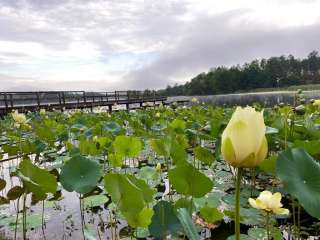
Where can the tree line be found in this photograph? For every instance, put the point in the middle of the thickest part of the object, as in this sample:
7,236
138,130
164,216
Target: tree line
274,72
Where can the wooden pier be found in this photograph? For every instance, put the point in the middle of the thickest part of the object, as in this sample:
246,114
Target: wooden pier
60,100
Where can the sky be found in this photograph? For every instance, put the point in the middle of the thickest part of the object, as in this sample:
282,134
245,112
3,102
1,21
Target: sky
106,45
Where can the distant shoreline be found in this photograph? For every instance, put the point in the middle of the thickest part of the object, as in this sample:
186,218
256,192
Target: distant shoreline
266,98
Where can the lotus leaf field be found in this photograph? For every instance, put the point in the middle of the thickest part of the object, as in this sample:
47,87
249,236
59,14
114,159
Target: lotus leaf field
159,173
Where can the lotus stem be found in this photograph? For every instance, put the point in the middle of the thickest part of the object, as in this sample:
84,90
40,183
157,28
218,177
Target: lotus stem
267,226
82,218
294,218
299,210
237,213
17,216
24,217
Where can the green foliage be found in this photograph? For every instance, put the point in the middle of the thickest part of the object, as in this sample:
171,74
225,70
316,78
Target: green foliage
80,174
203,154
164,221
37,180
161,146
187,224
300,175
272,73
131,195
71,151
127,146
3,184
211,215
269,164
189,181
15,192
95,201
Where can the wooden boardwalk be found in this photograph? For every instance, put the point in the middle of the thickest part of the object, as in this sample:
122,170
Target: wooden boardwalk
60,100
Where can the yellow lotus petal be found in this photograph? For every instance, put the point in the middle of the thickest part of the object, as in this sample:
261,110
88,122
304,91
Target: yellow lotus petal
265,196
242,141
228,151
253,203
316,103
281,211
246,131
261,204
249,161
275,201
263,151
256,203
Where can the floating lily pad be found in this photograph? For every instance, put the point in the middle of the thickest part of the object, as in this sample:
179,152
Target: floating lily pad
211,215
14,193
95,201
3,184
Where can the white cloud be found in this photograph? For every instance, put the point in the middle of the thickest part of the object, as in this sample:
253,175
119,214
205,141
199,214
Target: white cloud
143,43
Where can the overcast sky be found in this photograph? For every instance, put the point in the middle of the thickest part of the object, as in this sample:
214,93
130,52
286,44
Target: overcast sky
138,44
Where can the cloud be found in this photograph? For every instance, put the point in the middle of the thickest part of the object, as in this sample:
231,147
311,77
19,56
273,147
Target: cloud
212,41
136,44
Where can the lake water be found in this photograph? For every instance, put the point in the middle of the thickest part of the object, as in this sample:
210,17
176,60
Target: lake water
266,98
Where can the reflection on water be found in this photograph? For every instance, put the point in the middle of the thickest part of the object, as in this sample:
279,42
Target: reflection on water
63,216
265,98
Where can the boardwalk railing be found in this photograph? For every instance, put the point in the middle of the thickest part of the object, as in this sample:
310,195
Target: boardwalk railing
32,101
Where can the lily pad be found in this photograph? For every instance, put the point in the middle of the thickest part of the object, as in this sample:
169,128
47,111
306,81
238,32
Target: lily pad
300,175
14,193
164,221
203,154
95,201
127,146
130,195
80,174
211,215
189,181
3,184
37,180
187,224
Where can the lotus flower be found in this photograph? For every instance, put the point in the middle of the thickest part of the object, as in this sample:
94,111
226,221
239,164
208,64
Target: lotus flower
243,141
269,202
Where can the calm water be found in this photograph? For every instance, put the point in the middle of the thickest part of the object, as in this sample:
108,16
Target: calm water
267,98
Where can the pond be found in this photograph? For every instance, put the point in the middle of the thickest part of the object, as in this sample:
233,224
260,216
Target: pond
156,173
243,99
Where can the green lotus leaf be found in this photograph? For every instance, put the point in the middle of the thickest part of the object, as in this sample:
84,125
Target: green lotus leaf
312,147
15,192
80,174
178,124
203,154
95,201
164,221
177,153
211,215
130,195
3,184
143,219
37,180
112,127
127,146
161,146
187,224
189,181
300,175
